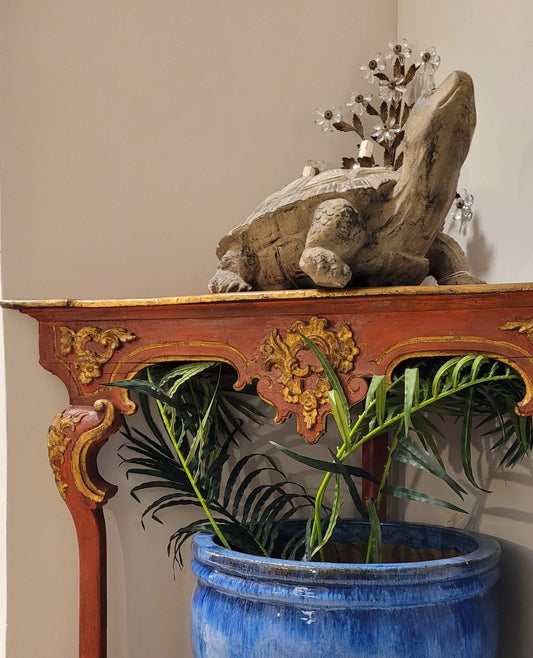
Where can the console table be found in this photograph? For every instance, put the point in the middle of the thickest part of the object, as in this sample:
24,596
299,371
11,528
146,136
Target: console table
364,332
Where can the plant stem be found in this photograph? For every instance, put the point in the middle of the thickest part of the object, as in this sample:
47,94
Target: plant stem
349,448
190,477
383,482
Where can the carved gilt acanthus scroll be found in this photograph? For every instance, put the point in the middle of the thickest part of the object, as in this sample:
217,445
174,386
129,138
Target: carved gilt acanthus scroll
82,479
522,326
58,441
295,375
70,439
92,348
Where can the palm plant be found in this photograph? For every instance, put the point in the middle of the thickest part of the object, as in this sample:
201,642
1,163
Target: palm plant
194,421
459,387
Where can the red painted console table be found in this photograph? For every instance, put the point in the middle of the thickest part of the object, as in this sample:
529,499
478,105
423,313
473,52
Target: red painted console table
364,332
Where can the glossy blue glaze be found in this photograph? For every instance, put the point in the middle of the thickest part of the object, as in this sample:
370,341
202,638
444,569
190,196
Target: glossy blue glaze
252,607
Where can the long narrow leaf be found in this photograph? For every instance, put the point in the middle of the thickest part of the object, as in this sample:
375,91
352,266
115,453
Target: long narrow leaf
375,543
350,484
411,494
322,465
341,402
333,517
410,395
424,460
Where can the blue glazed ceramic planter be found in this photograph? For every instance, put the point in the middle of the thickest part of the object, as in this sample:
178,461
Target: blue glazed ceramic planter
252,607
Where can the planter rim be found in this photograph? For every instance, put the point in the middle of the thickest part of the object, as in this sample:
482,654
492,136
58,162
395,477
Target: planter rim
484,557
273,607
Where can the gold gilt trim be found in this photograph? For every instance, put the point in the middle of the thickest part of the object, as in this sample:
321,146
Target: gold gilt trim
282,353
454,342
522,326
79,453
92,348
57,445
177,351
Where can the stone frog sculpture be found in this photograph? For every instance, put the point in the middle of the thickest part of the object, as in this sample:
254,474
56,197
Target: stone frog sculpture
367,226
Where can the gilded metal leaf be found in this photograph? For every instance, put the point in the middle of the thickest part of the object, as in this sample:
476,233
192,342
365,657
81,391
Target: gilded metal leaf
343,126
410,73
384,111
397,68
357,124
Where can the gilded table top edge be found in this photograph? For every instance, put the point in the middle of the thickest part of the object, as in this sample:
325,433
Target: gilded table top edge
270,295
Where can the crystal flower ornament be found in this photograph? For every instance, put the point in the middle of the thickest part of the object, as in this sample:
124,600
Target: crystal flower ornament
374,66
430,60
392,90
386,131
429,64
358,103
327,117
399,50
462,210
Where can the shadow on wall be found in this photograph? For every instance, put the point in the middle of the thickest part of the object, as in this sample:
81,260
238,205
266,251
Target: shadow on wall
513,591
478,251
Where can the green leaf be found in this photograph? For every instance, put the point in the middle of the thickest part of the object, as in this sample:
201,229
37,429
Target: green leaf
322,465
375,543
440,381
466,439
341,415
417,456
352,487
410,395
411,494
343,409
425,429
143,387
183,373
377,394
333,516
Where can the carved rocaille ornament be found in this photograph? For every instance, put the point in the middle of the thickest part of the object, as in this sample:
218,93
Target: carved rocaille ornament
285,353
57,446
522,326
92,348
63,437
90,436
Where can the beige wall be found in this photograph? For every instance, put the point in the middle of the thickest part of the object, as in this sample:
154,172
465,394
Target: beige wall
134,134
493,42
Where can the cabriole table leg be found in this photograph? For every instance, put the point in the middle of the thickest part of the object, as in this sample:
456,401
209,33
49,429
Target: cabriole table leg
74,439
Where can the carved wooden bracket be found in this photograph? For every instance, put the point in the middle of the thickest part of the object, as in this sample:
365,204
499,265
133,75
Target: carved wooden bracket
304,384
91,349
